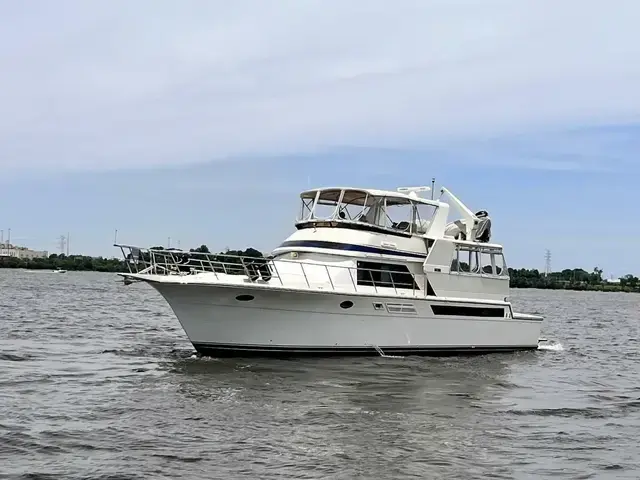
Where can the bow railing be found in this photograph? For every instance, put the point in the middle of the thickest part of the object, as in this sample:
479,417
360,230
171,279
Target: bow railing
285,271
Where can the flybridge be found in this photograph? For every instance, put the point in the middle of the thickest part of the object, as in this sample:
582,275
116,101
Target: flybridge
400,212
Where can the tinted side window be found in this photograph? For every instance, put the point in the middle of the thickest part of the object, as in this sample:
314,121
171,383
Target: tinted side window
385,275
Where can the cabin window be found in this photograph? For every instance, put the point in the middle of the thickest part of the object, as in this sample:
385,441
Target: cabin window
423,217
326,206
354,205
397,214
305,209
460,262
499,264
486,265
478,260
465,261
386,275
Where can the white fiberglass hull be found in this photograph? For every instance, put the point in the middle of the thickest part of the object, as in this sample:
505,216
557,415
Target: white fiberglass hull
240,321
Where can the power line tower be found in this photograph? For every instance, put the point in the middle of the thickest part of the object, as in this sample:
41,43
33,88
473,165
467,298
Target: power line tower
547,262
63,243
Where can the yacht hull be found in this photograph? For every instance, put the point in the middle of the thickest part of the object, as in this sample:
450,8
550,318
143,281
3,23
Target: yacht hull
236,321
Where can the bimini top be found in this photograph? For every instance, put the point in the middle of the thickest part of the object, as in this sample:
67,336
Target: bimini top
358,195
402,212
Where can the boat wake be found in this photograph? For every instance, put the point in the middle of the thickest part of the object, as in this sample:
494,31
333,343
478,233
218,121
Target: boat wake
551,347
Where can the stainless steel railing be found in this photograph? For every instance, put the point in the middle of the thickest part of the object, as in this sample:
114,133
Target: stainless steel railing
177,262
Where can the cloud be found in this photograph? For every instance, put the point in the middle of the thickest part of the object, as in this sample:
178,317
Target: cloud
111,85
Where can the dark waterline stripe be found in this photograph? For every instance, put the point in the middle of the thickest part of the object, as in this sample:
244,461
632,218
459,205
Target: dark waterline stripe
231,350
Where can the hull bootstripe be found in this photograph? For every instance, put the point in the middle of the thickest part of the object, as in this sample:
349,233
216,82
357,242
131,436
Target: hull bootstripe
231,350
349,247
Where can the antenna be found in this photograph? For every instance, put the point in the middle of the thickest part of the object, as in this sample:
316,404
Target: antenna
67,244
433,186
547,262
115,237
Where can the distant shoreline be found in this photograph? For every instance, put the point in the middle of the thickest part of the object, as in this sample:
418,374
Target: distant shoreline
613,288
576,279
72,263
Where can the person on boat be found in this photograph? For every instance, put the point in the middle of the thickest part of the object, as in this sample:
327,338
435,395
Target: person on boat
483,232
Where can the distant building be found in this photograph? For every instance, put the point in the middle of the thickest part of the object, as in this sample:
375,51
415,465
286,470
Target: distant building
9,250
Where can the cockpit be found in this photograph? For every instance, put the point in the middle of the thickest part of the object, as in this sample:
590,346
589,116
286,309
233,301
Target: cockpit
382,211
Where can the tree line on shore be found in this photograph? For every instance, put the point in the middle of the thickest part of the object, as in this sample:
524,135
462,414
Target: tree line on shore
114,265
568,279
66,262
571,279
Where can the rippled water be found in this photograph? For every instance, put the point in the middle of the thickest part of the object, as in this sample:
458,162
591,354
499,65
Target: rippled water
97,380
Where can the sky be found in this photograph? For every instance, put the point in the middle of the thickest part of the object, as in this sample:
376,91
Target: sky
203,120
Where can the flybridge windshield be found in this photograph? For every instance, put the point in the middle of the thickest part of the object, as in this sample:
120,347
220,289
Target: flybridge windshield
357,206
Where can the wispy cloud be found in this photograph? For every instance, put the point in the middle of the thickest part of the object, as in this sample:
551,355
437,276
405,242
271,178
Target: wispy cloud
93,85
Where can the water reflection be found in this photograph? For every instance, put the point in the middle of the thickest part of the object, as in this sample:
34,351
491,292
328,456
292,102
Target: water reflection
408,416
382,384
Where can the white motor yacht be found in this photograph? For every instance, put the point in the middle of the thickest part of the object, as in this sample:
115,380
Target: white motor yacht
366,272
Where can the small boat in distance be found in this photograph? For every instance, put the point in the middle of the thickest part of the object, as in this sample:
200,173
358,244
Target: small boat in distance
366,272
59,270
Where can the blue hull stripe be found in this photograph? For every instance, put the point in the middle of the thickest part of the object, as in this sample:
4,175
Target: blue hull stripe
350,247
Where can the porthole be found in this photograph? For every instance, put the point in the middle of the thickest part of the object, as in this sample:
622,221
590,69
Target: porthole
245,298
347,304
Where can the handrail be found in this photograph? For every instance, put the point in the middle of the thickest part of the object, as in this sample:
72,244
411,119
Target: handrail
177,262
408,232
